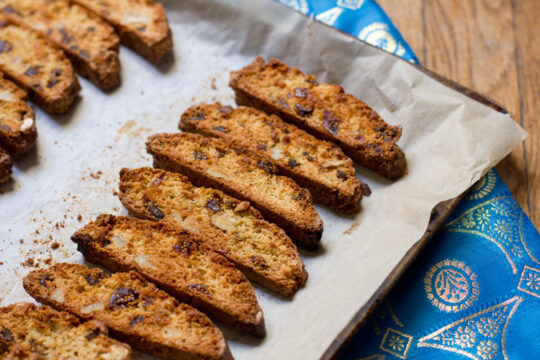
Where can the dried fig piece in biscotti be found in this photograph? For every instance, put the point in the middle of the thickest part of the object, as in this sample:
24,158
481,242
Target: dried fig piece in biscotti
17,120
214,163
323,110
177,263
37,67
261,250
133,309
141,24
90,43
28,331
318,165
6,165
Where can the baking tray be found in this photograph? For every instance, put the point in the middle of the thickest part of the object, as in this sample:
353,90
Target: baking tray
71,176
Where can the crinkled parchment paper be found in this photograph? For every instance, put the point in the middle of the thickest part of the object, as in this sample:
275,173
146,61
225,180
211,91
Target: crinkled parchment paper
450,142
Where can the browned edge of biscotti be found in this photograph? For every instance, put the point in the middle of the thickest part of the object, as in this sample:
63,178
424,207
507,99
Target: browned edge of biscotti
152,49
308,239
336,199
93,254
128,176
105,74
6,166
392,168
35,284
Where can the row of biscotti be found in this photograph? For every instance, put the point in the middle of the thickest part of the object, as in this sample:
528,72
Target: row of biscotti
36,36
17,126
123,304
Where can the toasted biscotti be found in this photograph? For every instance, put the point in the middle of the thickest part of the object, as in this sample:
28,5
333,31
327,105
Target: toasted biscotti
17,120
37,67
133,309
28,331
6,165
214,163
177,263
90,43
141,24
323,110
261,250
317,165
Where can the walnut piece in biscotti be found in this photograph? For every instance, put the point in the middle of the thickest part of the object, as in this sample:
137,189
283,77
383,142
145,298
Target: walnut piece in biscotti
88,41
28,331
17,121
141,24
133,309
37,67
244,175
318,165
261,250
6,165
177,263
324,110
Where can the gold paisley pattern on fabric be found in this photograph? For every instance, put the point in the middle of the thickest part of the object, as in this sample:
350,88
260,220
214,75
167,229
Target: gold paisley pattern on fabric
396,343
529,281
498,220
480,336
451,286
483,187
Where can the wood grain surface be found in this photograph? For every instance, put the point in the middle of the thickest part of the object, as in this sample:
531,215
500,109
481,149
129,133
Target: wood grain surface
490,46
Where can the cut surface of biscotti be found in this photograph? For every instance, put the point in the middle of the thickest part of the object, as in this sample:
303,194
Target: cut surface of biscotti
177,263
231,227
318,165
214,163
89,42
133,309
17,120
28,331
6,165
324,110
142,24
37,67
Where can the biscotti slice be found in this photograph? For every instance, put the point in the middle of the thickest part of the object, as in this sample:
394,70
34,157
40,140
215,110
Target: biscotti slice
6,165
133,309
17,120
28,331
214,163
90,43
37,67
141,24
177,263
323,110
261,250
318,165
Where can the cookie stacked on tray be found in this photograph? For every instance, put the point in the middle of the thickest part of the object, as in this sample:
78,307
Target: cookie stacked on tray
43,43
228,201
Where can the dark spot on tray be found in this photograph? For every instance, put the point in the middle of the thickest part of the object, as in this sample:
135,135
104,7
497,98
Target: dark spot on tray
366,190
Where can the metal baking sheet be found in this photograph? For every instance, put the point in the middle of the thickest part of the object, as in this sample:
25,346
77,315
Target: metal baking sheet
450,140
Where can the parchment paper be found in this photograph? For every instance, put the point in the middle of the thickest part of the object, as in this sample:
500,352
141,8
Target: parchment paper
450,142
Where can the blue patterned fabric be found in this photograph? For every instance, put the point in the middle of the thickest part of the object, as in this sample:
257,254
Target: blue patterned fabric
474,291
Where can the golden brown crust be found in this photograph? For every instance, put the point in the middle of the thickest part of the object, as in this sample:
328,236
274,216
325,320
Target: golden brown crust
133,309
28,331
37,67
90,43
323,110
141,24
261,250
177,263
17,120
6,165
318,165
214,163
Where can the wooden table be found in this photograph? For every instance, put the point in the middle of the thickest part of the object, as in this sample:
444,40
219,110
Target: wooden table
492,47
